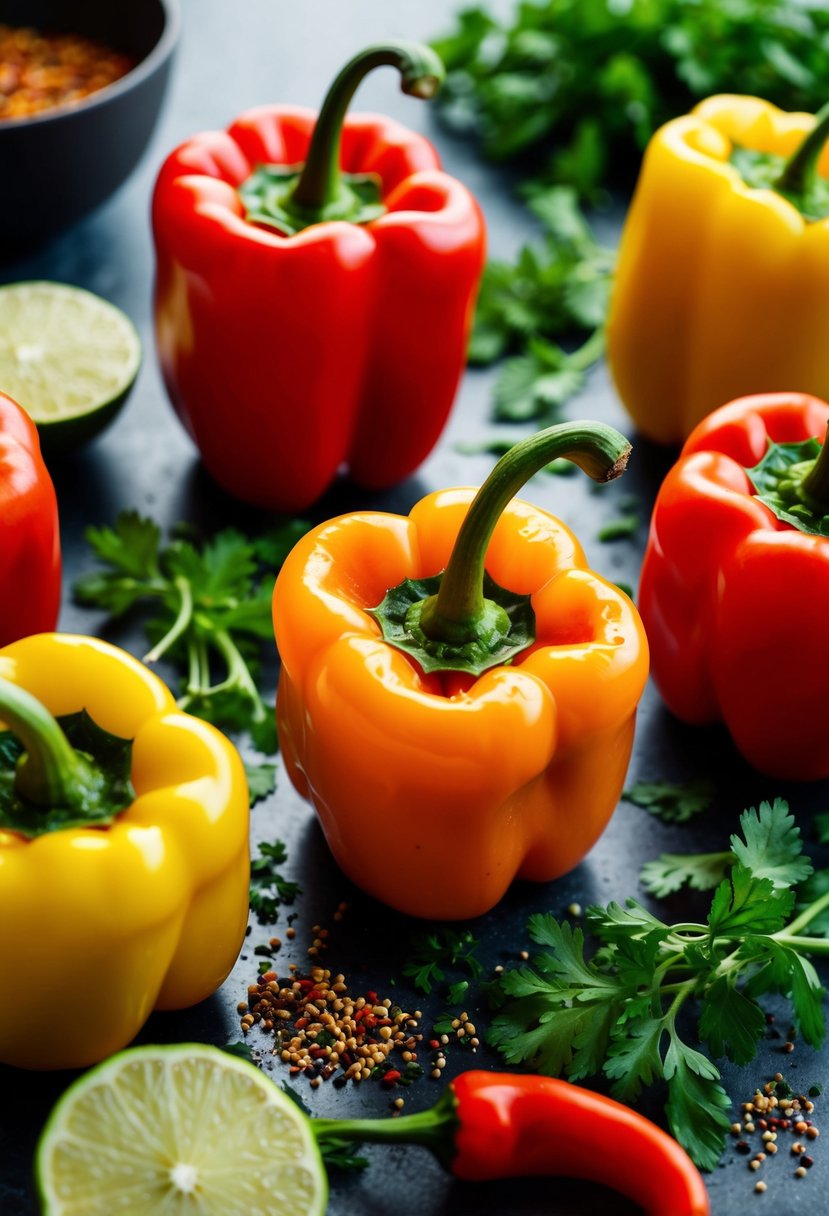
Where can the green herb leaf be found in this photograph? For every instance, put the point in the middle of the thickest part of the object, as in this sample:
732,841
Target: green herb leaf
261,780
209,606
432,950
242,1050
730,1023
672,802
269,890
772,847
616,1011
697,1104
671,871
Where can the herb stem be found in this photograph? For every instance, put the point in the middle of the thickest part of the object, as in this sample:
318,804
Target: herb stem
179,626
814,945
806,917
239,672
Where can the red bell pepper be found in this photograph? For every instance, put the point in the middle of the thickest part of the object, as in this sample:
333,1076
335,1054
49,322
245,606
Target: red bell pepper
306,318
735,583
29,536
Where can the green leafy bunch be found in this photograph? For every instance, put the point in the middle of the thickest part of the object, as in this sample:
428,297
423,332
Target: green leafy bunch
560,285
211,607
625,1012
583,84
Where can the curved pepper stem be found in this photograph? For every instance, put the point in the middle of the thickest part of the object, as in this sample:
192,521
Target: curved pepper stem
800,172
50,773
321,194
433,1129
462,620
459,612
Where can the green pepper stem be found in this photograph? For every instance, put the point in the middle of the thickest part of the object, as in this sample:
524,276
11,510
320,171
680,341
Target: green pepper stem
800,170
433,1129
50,773
455,614
319,185
815,485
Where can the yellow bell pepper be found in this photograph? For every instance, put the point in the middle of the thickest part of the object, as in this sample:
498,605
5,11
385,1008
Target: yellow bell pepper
444,761
101,924
722,287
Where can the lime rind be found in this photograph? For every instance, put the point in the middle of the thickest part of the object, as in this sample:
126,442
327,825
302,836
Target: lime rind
164,1131
68,357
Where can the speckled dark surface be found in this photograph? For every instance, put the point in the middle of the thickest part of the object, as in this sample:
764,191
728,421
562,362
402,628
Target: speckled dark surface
232,57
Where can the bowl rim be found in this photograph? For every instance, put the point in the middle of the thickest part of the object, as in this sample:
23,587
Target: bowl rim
145,67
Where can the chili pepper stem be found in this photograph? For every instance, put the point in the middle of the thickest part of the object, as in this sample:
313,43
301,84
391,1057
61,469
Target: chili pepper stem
433,1129
50,773
459,613
320,192
800,170
815,485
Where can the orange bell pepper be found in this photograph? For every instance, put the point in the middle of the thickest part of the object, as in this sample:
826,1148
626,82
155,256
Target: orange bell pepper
436,788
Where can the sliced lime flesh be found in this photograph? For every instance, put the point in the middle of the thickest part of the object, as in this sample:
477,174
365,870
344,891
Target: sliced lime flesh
67,357
164,1131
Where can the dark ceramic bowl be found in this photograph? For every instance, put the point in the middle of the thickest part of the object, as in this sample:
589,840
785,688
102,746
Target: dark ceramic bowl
58,165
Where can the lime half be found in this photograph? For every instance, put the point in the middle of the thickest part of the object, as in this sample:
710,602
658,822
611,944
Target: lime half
68,357
164,1131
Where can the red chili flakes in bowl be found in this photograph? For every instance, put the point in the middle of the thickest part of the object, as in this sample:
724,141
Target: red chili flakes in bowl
41,71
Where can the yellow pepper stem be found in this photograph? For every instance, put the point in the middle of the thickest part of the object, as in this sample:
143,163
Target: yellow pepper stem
800,171
459,613
50,773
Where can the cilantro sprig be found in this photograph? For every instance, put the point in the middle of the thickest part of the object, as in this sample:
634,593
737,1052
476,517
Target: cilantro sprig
211,608
626,1010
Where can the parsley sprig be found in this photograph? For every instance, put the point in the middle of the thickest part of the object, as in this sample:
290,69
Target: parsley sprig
211,609
618,1012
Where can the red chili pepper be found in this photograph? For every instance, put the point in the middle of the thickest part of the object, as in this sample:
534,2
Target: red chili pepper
29,537
301,324
500,1125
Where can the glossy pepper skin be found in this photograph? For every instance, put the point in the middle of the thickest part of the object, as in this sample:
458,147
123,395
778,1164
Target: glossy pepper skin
734,600
721,290
29,534
288,357
146,913
436,791
491,1125
514,1126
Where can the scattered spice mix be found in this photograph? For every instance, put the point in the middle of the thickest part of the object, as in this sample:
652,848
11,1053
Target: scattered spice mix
776,1109
321,1029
